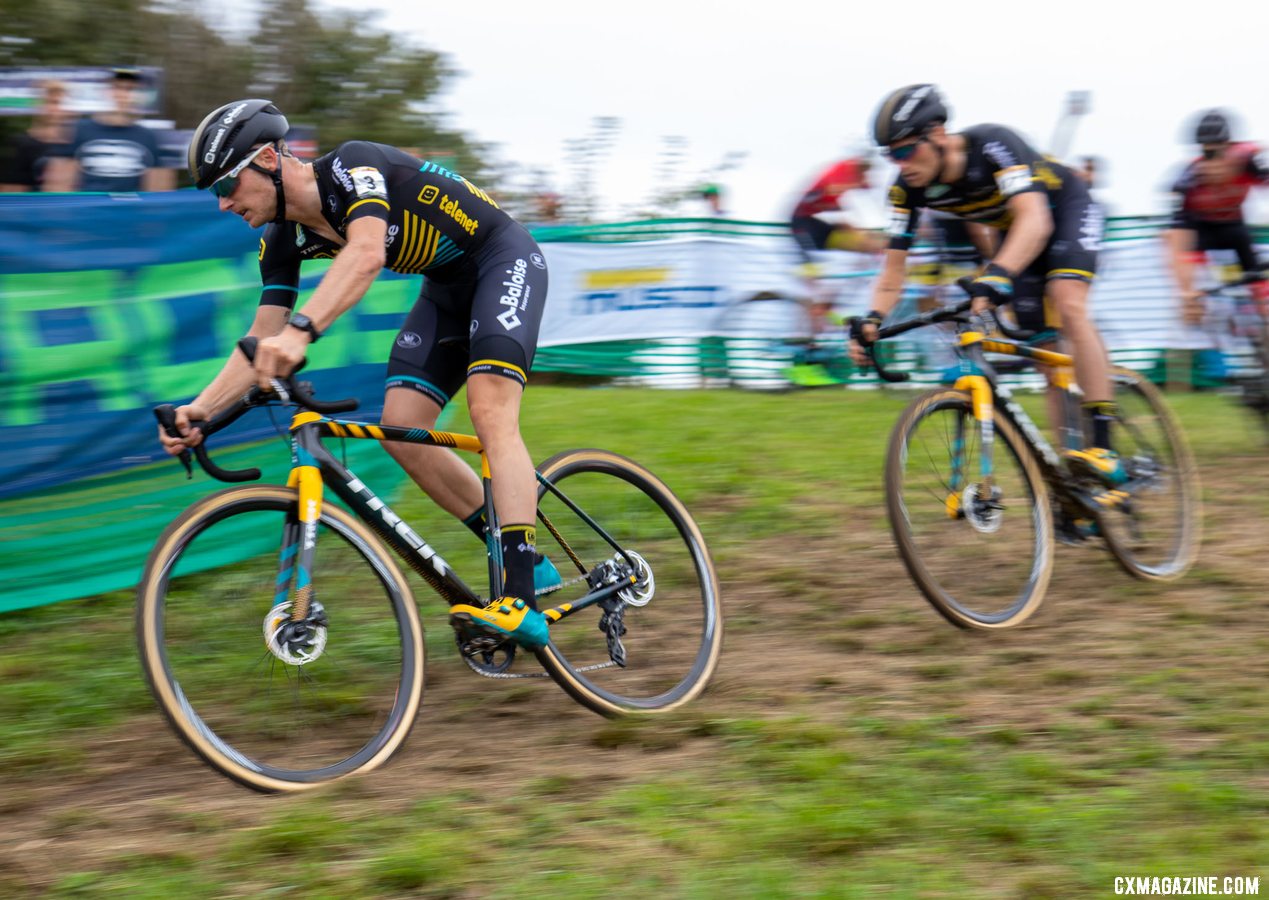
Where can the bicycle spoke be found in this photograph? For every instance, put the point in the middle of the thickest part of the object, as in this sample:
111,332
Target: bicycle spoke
670,616
979,550
271,702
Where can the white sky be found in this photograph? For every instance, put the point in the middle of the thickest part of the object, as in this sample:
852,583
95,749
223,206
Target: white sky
794,83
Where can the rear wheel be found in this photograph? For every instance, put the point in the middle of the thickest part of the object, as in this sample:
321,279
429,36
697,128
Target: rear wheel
1253,386
766,337
276,705
980,552
1154,532
671,615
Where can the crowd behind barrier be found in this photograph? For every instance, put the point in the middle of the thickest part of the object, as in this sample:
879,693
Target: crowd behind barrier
112,304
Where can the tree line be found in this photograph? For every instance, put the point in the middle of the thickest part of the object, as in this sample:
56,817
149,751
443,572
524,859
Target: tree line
335,71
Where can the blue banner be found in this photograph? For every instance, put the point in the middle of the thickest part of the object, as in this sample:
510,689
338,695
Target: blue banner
110,305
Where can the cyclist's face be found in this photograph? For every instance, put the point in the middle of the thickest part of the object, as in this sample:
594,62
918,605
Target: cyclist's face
1215,166
916,159
253,198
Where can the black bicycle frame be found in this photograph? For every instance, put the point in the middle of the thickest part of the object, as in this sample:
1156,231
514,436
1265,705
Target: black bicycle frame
308,430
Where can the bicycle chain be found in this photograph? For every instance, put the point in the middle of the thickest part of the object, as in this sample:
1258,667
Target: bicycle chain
479,670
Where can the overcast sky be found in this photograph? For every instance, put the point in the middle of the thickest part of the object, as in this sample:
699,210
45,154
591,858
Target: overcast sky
793,84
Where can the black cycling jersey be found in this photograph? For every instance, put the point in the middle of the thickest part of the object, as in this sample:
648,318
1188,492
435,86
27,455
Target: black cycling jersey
434,217
1001,165
484,273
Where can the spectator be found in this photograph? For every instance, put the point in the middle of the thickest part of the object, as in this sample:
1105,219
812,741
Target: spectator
712,196
548,208
110,151
49,132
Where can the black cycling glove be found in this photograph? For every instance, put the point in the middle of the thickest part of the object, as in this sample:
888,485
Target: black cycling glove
994,284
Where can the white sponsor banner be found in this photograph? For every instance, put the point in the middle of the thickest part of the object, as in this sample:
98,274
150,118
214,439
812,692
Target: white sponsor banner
684,288
678,287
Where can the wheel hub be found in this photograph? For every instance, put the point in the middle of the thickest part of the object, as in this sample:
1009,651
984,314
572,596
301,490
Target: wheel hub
295,643
985,514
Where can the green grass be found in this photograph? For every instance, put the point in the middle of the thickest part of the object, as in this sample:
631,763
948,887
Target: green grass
868,749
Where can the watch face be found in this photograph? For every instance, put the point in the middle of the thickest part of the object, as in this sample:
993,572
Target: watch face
304,323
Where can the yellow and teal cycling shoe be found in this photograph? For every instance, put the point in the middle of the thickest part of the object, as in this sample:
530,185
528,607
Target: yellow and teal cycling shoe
546,578
1100,463
509,617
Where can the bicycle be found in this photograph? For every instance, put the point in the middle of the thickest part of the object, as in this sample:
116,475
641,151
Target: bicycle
302,661
976,527
1248,322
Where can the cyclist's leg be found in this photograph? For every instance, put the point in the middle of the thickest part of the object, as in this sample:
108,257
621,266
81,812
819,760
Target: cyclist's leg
1244,245
1037,315
506,313
811,234
425,370
1182,241
848,237
1072,261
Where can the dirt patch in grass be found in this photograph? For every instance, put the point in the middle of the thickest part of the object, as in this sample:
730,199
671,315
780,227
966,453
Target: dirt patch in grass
829,629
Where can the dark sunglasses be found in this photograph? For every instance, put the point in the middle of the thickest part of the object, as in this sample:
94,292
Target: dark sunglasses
226,184
1213,152
899,154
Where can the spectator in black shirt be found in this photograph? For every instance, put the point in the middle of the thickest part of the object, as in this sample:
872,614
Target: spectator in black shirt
29,155
110,151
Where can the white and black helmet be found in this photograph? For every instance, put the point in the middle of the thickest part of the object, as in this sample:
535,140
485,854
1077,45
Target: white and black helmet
229,134
908,112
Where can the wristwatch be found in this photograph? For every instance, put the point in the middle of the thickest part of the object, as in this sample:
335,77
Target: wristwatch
304,323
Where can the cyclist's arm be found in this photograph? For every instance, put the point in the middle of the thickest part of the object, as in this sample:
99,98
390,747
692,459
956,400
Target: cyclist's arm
236,376
888,288
233,380
351,274
1258,166
344,284
1029,232
986,240
1180,243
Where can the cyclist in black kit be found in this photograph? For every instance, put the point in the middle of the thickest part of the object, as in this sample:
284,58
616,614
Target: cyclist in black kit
368,206
1051,229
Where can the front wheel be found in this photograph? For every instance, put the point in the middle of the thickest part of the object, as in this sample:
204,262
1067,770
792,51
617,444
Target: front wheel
1154,532
654,646
978,545
274,704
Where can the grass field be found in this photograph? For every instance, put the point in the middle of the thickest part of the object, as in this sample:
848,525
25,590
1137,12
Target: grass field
853,744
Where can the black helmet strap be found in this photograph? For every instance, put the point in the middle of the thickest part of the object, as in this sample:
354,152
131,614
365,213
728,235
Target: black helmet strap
276,175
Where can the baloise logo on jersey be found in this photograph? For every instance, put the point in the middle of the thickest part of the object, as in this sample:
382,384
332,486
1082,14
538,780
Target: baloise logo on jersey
515,297
341,174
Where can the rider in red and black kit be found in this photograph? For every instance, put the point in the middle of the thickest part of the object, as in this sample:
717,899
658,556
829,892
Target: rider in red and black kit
1209,209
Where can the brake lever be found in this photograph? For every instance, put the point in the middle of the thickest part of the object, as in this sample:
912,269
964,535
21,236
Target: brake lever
166,414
